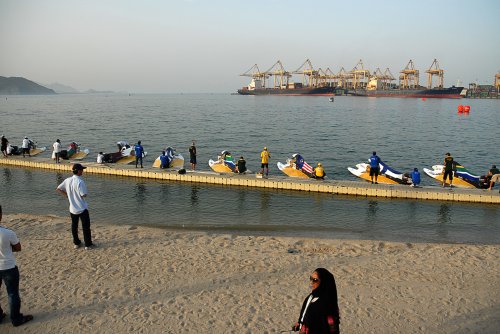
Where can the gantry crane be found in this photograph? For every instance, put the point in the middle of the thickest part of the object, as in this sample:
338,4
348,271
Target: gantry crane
409,78
435,70
255,73
281,77
359,76
497,82
388,79
310,76
342,78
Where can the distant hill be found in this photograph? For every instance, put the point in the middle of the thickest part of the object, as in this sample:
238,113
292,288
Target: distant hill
22,86
61,89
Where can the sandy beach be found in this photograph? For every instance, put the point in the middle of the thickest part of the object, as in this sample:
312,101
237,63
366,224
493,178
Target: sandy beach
147,280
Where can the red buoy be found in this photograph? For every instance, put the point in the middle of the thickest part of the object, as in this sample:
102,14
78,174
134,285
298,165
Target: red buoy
460,108
423,99
466,108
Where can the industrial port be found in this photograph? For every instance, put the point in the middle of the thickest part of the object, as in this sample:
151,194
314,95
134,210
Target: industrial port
360,81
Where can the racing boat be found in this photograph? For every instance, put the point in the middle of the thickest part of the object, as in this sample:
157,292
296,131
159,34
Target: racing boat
74,152
296,167
125,155
462,178
224,163
17,150
387,174
176,161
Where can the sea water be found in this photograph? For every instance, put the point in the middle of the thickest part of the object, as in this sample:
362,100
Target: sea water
406,133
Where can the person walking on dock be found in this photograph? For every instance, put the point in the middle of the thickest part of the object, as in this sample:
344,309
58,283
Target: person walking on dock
9,274
264,157
448,169
75,189
4,145
26,147
192,156
57,151
139,152
374,166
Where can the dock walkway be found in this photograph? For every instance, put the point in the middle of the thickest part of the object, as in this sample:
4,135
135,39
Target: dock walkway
353,188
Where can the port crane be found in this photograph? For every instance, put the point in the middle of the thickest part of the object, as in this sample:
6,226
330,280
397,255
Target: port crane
359,76
281,77
342,78
435,70
497,82
409,78
255,73
309,74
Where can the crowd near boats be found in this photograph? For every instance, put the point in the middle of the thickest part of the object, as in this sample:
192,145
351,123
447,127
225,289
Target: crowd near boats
295,166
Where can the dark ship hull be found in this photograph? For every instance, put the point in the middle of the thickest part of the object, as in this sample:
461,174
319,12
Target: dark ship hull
441,93
318,91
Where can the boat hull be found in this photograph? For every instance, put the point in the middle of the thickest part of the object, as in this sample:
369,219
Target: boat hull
439,93
318,91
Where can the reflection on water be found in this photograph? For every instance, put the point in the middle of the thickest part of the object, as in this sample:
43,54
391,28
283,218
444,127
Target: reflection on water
216,207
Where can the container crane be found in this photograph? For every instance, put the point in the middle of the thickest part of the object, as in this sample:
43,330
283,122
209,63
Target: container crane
281,77
409,78
309,74
258,77
359,76
497,82
435,70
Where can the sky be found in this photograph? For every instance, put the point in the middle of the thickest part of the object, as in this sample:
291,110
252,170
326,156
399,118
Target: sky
195,46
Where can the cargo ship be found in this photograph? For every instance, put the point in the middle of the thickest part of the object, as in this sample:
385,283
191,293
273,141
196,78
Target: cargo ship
292,89
420,92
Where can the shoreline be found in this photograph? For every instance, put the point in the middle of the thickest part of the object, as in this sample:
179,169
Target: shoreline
147,279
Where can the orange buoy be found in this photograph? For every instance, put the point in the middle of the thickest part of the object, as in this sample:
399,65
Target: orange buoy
460,108
466,108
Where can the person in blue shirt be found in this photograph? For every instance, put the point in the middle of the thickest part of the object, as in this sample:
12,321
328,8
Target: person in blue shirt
139,152
164,160
374,166
415,177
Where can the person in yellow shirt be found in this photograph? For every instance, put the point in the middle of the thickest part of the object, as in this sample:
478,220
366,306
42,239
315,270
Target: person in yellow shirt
264,157
319,172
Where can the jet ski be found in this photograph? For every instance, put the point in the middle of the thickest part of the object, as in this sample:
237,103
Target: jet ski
387,174
176,161
125,154
296,166
462,178
224,163
17,150
73,152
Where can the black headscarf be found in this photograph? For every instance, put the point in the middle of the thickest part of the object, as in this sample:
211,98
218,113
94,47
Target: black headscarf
327,289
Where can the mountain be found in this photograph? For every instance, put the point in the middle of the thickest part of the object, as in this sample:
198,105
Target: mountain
22,86
61,89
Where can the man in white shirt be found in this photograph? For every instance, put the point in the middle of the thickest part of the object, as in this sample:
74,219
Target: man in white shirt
75,190
57,150
26,147
9,274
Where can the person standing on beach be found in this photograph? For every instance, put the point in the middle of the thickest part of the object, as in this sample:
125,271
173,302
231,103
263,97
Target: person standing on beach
374,166
57,151
448,169
9,274
75,190
139,152
320,309
4,145
264,158
192,156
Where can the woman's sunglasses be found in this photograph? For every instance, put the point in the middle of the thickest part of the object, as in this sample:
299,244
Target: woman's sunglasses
314,280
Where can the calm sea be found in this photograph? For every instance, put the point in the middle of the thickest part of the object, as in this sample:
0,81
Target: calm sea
406,133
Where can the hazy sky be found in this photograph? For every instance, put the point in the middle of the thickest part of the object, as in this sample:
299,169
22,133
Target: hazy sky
147,46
